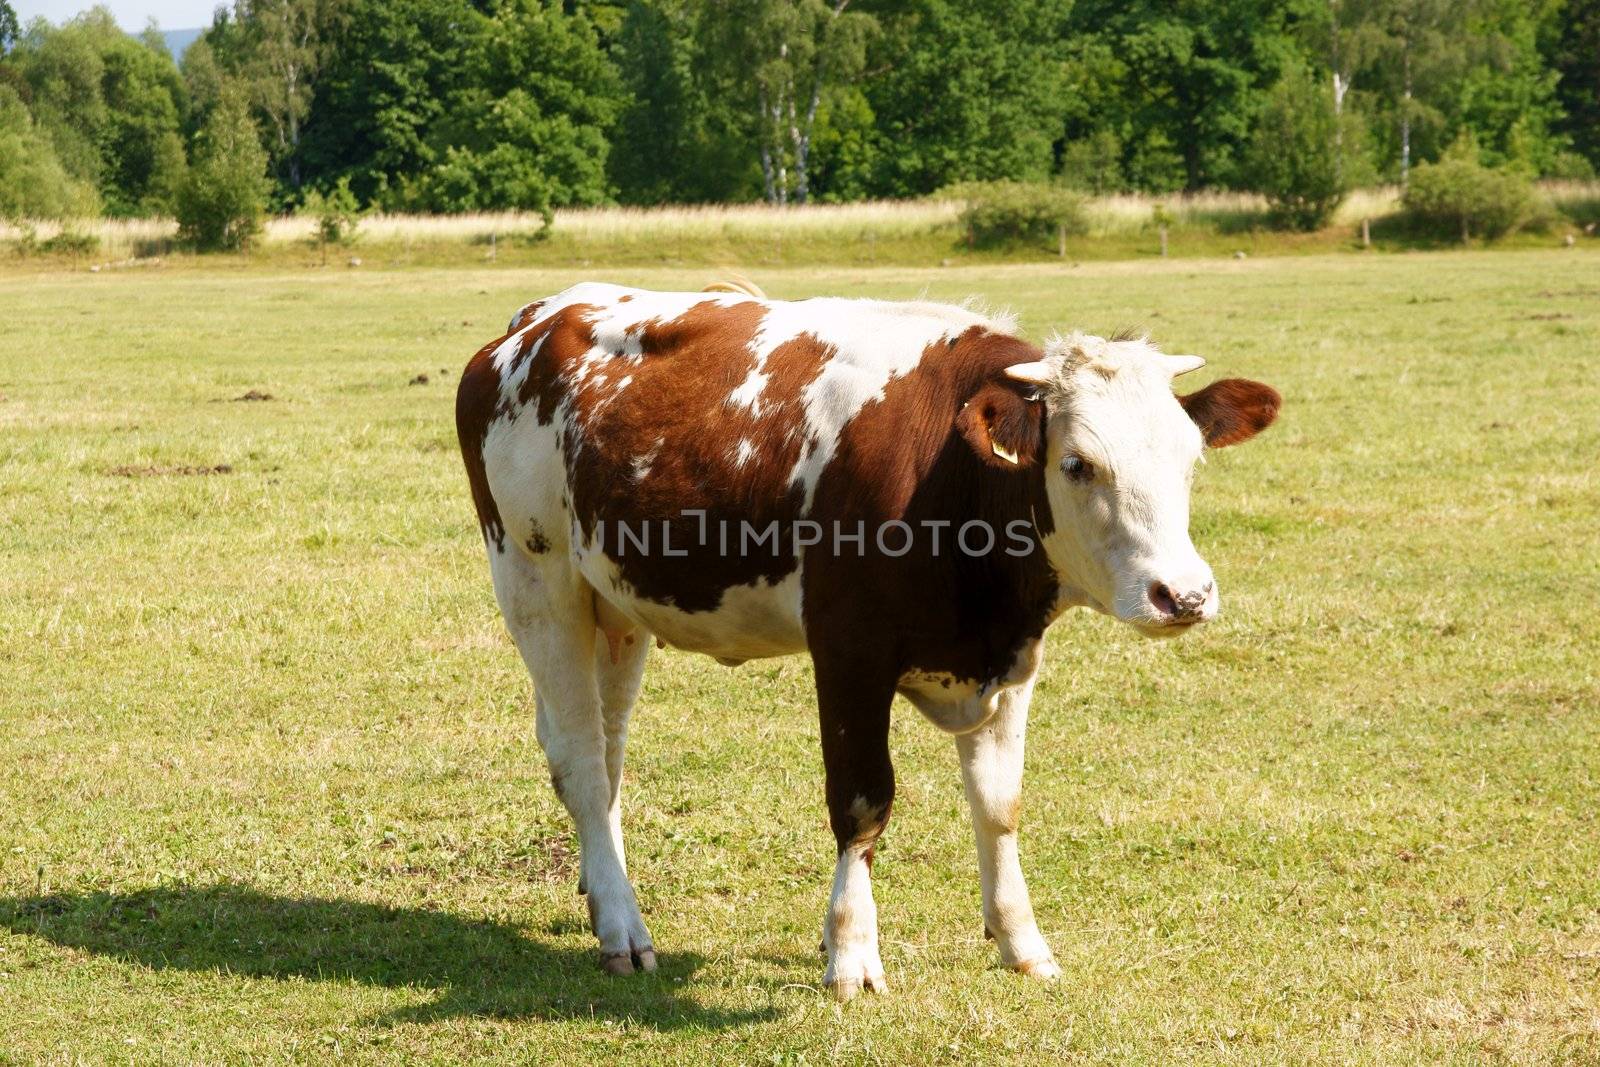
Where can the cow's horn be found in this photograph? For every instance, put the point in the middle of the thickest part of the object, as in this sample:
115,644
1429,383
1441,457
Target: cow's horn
1183,364
1036,373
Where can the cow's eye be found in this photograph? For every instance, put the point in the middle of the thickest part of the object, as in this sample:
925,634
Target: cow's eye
1076,468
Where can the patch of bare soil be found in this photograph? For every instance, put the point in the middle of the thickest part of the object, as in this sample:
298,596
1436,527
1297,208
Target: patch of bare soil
152,471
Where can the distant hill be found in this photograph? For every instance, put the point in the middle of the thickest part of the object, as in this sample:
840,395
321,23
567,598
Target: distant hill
178,40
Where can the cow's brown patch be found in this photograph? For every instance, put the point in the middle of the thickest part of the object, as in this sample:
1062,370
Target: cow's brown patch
669,440
477,404
872,617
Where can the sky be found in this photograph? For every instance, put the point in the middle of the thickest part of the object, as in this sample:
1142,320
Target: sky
132,15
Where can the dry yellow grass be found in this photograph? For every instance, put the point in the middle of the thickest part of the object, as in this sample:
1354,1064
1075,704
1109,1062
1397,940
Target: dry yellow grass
607,229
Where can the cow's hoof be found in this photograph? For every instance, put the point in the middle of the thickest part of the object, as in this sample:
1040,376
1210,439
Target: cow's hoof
847,979
1044,968
643,959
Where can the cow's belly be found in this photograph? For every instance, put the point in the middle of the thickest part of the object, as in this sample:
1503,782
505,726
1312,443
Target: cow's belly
751,622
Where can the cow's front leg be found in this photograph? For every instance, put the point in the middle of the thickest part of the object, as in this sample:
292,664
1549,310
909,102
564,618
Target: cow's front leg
991,767
854,701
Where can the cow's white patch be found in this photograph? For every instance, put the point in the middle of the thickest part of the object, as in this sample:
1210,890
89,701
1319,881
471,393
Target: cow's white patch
522,461
756,621
957,705
743,452
748,393
642,464
873,342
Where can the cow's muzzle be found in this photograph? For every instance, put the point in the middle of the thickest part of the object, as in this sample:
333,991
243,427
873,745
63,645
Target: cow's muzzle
1178,606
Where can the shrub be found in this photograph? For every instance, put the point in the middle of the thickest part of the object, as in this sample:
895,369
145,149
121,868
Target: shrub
337,213
71,243
1005,212
1294,156
1461,195
222,197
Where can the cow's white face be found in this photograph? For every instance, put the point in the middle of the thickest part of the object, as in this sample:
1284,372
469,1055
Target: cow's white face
1119,452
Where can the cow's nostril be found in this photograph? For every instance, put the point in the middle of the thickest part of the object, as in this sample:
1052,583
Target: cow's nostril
1162,598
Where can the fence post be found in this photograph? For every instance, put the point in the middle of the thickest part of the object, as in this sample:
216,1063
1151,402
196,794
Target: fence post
1163,240
1366,233
1061,240
493,251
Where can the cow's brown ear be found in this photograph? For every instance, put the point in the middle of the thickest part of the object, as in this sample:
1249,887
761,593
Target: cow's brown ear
1003,427
1232,410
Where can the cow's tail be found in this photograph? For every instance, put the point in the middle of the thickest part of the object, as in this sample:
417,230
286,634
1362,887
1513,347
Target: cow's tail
736,283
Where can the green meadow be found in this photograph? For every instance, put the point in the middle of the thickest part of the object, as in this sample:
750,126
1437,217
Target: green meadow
269,791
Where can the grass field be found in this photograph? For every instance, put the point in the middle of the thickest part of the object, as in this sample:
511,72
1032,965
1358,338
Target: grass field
269,790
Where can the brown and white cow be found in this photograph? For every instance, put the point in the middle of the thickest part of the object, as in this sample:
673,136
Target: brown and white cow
907,491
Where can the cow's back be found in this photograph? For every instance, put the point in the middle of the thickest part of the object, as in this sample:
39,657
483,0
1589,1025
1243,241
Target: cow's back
669,443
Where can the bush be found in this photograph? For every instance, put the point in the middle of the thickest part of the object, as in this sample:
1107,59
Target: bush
71,243
337,213
1294,156
223,196
1462,196
1005,212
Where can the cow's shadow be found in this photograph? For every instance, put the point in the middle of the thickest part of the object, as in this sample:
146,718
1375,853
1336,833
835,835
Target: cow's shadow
472,966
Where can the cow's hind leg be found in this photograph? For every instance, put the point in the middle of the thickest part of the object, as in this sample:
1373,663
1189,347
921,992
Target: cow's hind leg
991,767
550,614
619,680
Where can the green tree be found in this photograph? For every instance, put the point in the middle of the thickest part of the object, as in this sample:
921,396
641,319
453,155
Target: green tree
1572,49
965,91
33,183
111,105
1421,51
1182,81
1507,95
1459,193
674,141
10,28
1295,156
337,213
1346,40
777,59
398,64
276,49
528,129
224,195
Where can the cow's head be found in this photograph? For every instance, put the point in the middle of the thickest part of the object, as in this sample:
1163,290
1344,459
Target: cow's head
1119,449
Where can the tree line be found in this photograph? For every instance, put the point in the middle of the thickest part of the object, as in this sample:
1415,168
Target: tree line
467,105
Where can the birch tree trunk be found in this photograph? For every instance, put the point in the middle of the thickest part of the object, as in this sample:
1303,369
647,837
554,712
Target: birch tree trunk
770,188
1405,113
